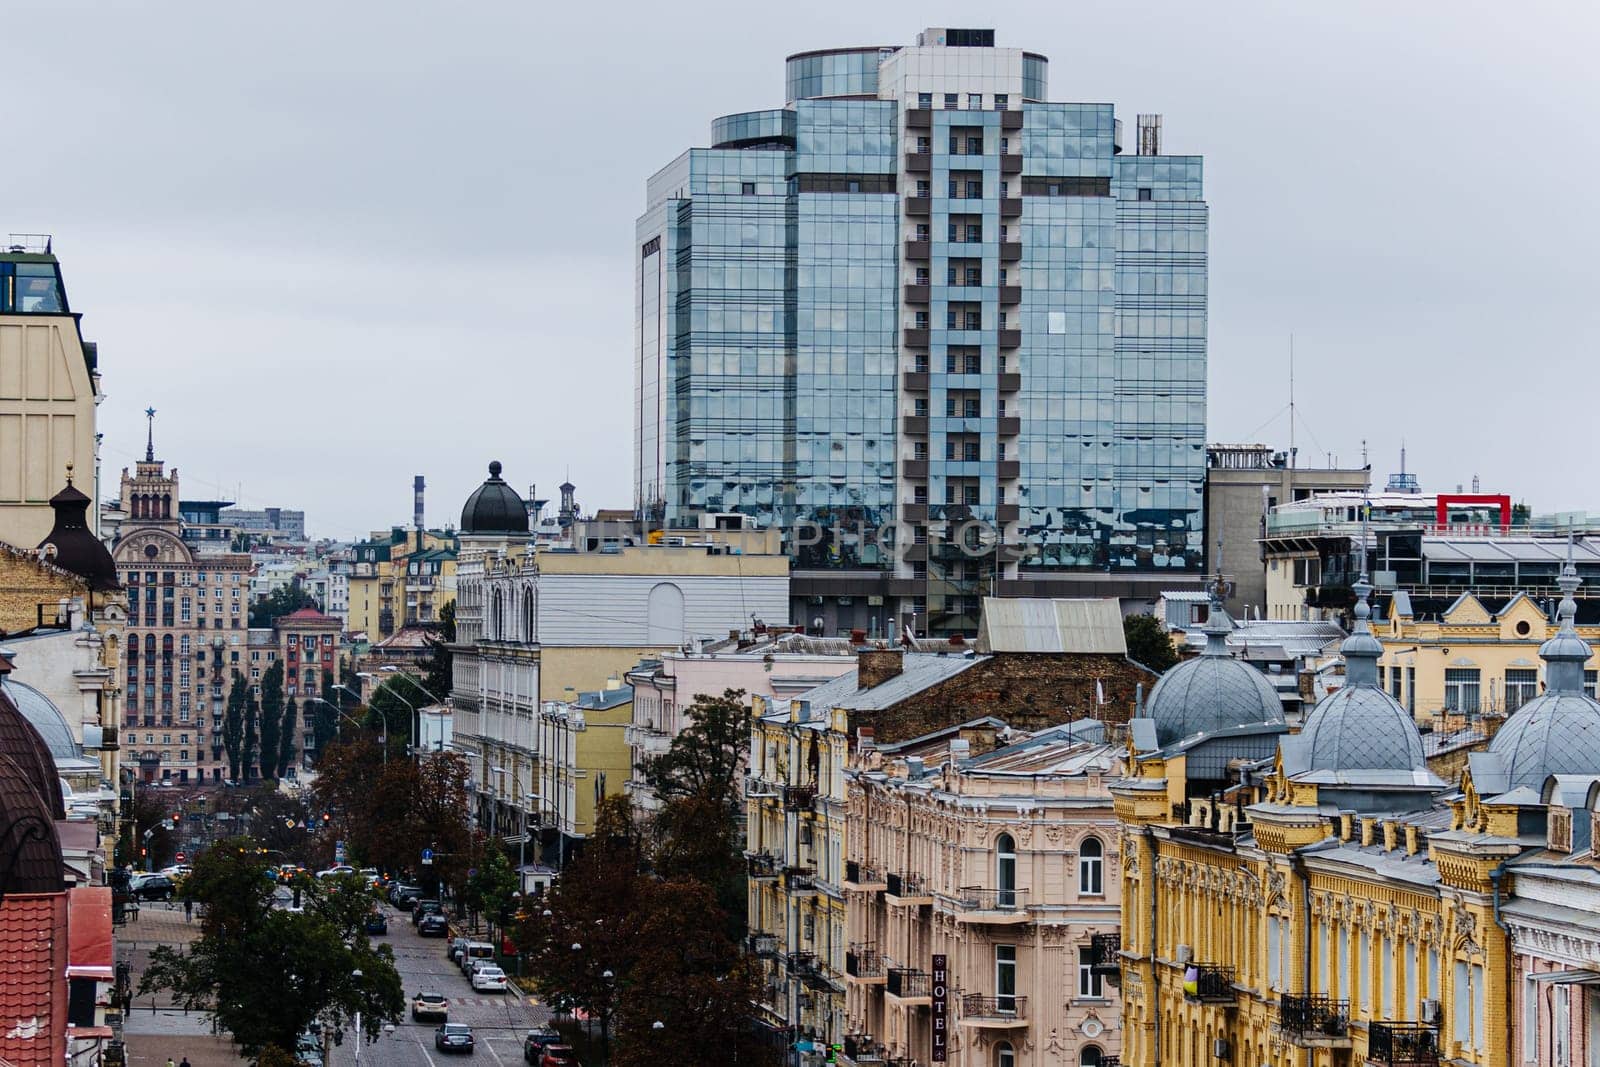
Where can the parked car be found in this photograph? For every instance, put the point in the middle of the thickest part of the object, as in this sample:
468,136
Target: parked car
150,887
558,1056
433,926
430,1006
472,953
536,1042
478,965
489,979
377,924
456,1037
456,945
337,869
403,896
425,907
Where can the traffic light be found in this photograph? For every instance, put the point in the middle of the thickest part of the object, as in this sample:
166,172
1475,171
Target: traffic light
327,817
176,818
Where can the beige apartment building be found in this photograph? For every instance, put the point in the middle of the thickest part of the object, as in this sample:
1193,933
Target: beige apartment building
49,390
187,632
987,857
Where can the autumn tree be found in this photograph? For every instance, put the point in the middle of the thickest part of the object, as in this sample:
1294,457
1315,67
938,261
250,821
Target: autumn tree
233,725
271,718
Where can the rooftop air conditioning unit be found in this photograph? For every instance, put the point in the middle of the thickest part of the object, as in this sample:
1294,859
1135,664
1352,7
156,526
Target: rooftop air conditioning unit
1219,1048
1430,1012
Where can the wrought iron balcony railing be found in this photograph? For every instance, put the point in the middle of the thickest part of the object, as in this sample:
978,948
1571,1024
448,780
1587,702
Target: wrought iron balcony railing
1208,983
763,946
1311,1018
863,961
906,983
1005,1007
1403,1044
799,797
859,874
763,865
800,963
904,884
1105,954
971,898
863,1048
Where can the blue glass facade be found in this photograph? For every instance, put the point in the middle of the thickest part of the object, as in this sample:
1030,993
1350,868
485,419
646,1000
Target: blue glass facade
920,295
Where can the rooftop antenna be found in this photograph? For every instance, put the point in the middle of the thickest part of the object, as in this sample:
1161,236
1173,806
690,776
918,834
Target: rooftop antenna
150,435
1292,449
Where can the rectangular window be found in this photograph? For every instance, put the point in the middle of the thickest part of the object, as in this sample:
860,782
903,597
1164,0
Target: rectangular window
1005,977
1386,983
1461,1029
1001,100
1530,1019
1478,1021
1324,965
925,101
1461,689
1343,992
1146,194
1364,973
1522,685
1089,983
1561,1025
747,188
1409,1006
1274,963
1593,998
952,101
1411,690
975,101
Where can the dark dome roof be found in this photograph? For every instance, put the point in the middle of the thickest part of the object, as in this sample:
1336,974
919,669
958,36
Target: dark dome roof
76,548
494,507
22,743
30,849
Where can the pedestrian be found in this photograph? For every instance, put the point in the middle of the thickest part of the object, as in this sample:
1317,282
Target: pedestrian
188,910
170,1063
185,1062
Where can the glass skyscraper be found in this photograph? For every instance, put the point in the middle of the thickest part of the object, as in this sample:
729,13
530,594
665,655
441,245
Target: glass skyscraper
943,332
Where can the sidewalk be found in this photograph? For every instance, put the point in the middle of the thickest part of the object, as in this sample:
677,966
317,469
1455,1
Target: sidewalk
156,1028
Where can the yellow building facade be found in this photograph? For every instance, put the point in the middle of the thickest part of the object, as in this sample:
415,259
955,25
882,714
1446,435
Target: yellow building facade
1474,658
396,581
1338,904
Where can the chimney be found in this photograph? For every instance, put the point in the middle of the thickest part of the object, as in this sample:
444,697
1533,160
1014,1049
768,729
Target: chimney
979,739
874,666
960,749
417,486
866,738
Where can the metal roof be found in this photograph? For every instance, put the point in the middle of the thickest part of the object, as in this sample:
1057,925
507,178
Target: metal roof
919,671
1092,626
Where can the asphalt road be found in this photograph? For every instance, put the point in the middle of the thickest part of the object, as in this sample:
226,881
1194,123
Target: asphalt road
498,1020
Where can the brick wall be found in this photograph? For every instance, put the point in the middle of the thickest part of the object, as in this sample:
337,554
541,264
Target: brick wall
25,583
1028,690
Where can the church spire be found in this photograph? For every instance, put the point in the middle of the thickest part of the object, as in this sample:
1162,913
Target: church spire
1565,654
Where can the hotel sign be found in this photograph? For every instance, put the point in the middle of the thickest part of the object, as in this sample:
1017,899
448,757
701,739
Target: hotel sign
940,990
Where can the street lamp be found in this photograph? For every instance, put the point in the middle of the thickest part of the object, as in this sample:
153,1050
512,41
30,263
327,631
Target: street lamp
352,720
356,974
417,715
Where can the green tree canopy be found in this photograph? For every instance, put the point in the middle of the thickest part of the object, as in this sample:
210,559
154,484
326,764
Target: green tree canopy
281,601
1148,643
268,974
233,725
271,717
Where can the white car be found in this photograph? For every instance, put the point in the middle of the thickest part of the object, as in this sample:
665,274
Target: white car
489,980
331,871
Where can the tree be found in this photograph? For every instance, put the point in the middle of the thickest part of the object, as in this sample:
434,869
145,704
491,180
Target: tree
388,706
233,725
1148,643
324,968
324,719
286,742
698,829
271,714
440,678
490,886
281,601
252,717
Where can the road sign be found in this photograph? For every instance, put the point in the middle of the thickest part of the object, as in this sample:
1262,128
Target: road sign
180,857
427,855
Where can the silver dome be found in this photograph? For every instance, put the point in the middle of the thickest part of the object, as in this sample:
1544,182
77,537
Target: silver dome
1212,692
1362,728
46,718
1557,732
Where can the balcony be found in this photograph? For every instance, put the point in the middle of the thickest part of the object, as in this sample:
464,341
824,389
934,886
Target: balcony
918,250
1011,120
914,513
1105,954
918,205
1009,337
800,881
1008,468
922,162
914,424
763,946
1010,206
863,1048
914,468
991,907
1004,1012
762,866
1011,248
918,118
1208,983
1010,383
1008,425
1403,1044
864,964
915,380
916,336
1315,1022
906,890
917,293
908,985
1010,163
800,964
858,875
799,797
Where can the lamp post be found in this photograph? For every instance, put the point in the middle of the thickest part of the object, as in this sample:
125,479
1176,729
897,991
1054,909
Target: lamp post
356,974
416,715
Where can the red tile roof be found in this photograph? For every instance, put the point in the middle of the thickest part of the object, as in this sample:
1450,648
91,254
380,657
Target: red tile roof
33,995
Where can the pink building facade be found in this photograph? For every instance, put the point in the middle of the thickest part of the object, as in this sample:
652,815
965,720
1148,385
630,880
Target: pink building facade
783,666
1000,864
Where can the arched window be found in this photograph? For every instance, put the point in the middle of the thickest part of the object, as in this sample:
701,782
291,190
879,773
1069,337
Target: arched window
1089,1056
1091,867
497,619
1004,1055
529,623
1005,861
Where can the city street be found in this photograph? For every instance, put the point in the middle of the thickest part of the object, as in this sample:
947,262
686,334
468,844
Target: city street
498,1021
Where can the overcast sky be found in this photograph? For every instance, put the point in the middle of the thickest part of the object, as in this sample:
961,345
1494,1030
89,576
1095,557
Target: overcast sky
339,244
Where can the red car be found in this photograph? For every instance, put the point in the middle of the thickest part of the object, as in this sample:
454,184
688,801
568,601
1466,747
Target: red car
559,1056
